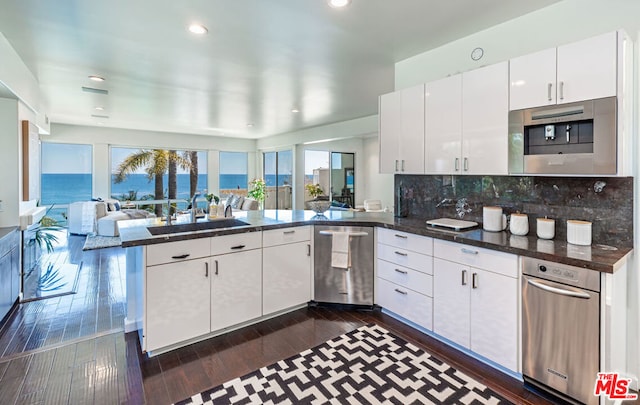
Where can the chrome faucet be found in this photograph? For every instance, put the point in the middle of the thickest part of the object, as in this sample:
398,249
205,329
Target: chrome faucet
193,206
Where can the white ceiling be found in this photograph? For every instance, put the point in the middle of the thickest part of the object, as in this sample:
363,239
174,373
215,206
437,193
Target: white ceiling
260,59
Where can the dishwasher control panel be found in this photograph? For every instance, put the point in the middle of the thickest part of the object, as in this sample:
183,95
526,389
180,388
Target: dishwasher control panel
561,273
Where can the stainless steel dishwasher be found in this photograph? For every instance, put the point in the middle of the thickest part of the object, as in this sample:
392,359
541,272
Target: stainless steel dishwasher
561,328
353,285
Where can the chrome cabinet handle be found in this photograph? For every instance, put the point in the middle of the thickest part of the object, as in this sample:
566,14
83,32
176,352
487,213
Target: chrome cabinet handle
289,232
400,271
184,256
308,250
469,251
571,293
206,269
456,165
400,253
237,247
400,291
400,236
474,280
549,87
561,90
466,164
464,277
216,262
402,165
396,166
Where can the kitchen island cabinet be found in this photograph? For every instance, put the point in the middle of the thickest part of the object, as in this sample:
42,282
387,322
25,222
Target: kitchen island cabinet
286,268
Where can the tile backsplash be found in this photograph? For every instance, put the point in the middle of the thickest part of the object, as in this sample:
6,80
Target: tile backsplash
607,202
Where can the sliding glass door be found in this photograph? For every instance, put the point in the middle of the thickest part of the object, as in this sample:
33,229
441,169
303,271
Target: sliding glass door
278,175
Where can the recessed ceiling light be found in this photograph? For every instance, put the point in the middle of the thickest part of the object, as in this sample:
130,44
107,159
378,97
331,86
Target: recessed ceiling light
339,3
96,78
198,29
295,110
99,108
250,125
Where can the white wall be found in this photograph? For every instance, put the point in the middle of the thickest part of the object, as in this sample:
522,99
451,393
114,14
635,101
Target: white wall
10,178
561,23
378,186
102,138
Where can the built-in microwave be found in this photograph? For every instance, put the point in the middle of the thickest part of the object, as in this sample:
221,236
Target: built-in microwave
576,138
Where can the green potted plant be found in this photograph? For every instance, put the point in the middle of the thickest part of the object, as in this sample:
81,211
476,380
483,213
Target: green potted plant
258,191
318,205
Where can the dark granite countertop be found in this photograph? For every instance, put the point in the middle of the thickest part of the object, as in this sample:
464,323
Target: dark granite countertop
595,257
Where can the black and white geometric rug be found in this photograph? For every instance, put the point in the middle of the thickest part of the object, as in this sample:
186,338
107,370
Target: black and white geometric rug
366,366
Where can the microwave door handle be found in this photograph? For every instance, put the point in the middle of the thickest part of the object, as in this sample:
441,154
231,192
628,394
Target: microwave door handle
561,291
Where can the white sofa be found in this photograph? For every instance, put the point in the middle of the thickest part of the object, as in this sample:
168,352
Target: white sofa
86,217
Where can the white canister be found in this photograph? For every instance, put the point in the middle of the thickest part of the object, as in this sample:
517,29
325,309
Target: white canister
545,228
519,224
493,220
578,232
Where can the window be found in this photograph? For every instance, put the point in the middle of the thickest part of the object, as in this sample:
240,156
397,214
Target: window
316,171
278,175
234,174
130,179
334,172
66,176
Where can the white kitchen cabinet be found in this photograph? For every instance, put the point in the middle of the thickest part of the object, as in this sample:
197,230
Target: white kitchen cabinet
236,288
582,70
177,302
475,300
286,268
404,283
401,127
485,120
443,125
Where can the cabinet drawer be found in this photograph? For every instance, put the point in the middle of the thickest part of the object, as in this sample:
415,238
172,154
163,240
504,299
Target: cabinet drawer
406,277
275,237
176,251
491,260
405,240
406,258
407,303
235,243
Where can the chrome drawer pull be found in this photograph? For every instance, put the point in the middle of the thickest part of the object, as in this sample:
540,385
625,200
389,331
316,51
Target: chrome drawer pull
469,251
216,262
464,277
237,247
400,291
401,271
400,236
474,280
184,256
288,232
206,269
400,253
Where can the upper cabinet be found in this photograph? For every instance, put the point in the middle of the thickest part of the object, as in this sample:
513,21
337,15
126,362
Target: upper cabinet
467,122
578,71
401,125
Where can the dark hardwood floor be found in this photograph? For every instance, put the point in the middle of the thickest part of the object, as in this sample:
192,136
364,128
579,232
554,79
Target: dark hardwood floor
72,349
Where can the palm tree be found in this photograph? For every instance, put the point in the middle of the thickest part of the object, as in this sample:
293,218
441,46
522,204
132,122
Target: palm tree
192,157
156,162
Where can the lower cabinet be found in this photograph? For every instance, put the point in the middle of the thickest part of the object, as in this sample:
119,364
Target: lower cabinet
177,303
236,293
477,308
405,302
286,272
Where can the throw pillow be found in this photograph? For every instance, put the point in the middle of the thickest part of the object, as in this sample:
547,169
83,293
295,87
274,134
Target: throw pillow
237,203
116,206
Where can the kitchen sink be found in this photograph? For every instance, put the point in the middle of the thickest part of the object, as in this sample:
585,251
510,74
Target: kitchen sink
196,226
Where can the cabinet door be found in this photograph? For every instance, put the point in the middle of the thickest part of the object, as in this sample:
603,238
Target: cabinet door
236,293
411,141
485,120
451,301
532,80
494,317
177,302
390,129
443,125
587,69
16,274
286,275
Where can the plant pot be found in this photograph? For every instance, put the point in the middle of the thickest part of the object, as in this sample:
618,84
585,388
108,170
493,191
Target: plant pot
318,206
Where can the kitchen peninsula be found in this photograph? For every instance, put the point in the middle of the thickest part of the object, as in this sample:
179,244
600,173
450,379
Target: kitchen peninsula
207,253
